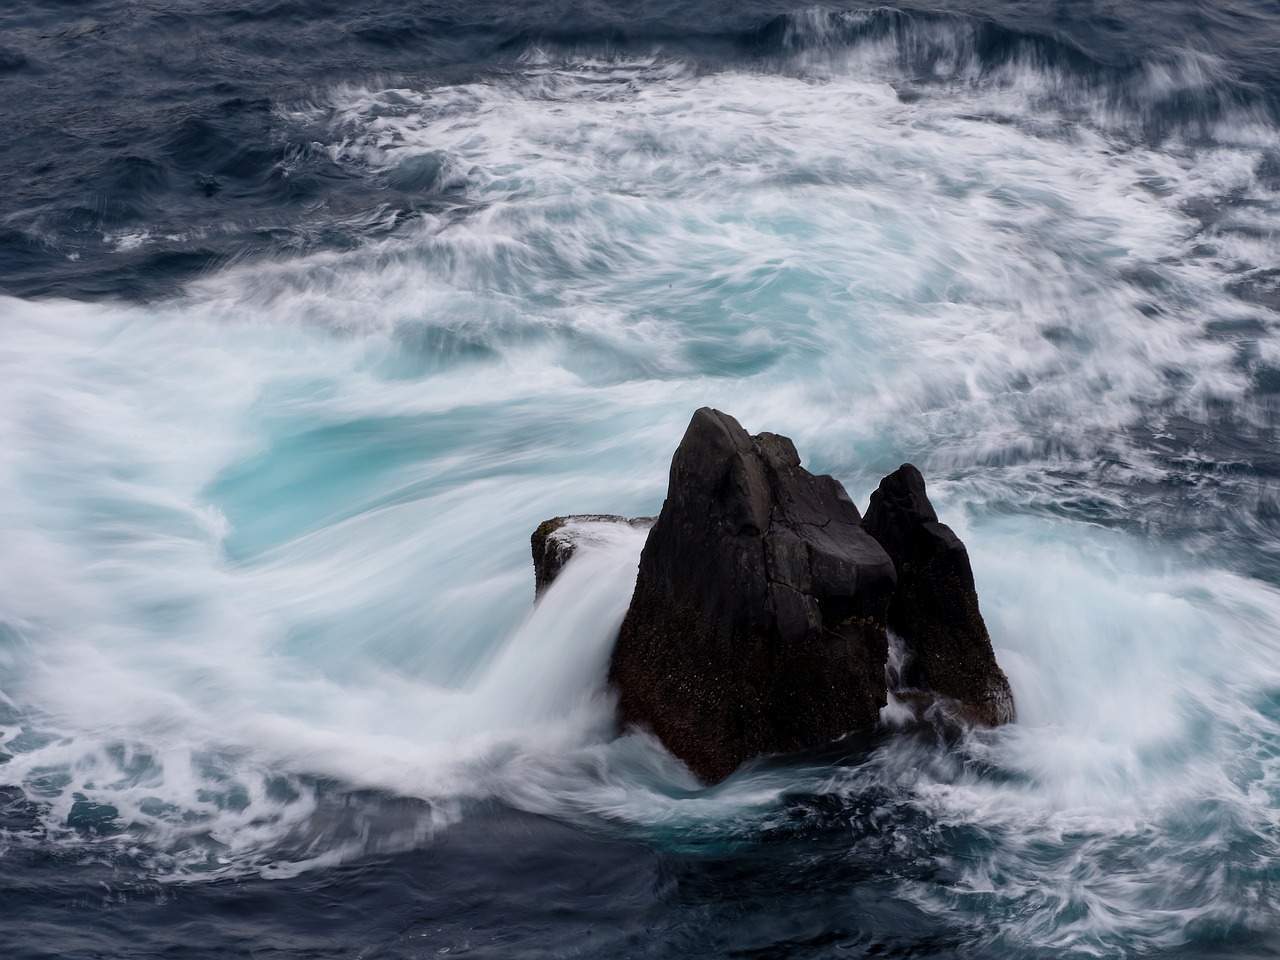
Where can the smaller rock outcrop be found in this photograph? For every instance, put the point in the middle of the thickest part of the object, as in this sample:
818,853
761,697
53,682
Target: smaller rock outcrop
556,540
934,609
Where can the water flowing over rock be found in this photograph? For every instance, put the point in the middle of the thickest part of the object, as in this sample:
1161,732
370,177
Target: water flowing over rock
763,603
556,540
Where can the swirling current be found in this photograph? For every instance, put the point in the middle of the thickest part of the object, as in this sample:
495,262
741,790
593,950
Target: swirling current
310,312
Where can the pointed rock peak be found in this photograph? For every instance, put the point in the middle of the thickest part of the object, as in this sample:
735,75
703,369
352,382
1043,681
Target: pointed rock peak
935,610
758,623
717,477
711,442
904,490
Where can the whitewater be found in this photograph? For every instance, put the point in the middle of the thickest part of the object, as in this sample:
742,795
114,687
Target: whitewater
266,600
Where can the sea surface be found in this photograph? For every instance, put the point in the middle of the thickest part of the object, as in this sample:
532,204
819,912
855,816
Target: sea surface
311,310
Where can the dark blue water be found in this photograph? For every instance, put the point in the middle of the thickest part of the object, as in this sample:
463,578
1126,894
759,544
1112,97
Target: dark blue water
123,117
310,312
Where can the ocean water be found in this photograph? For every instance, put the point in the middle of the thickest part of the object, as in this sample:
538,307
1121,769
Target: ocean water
311,312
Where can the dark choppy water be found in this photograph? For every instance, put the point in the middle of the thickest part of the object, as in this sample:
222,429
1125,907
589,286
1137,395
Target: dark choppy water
310,312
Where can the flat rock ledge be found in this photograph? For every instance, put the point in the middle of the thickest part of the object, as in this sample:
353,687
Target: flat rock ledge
763,606
556,540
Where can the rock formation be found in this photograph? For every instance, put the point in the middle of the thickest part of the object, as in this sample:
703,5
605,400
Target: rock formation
934,609
556,540
758,619
763,601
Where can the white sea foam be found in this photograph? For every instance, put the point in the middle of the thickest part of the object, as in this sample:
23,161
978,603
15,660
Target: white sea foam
272,535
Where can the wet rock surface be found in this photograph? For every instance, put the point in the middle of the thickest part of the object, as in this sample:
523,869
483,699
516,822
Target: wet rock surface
934,610
758,619
763,603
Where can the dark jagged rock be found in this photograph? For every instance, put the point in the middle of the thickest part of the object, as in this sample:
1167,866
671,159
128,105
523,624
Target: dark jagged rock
555,541
934,610
763,601
758,619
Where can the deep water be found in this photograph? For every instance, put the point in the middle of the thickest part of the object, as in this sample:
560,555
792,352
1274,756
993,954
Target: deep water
311,311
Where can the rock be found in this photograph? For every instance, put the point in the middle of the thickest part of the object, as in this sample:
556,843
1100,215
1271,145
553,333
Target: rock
763,605
758,619
555,541
934,609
